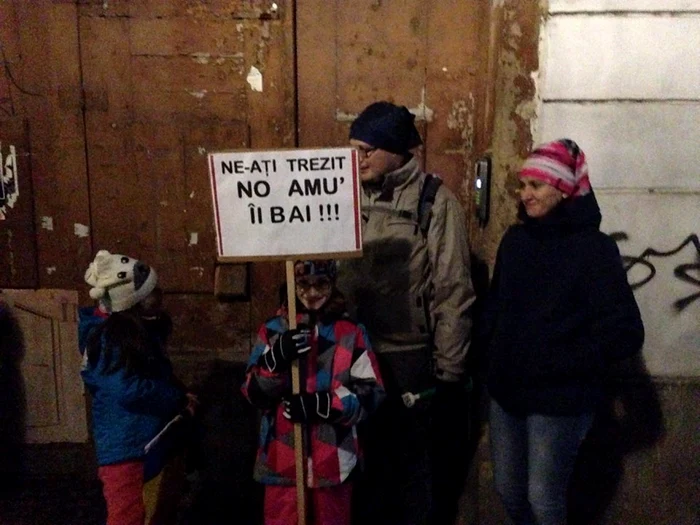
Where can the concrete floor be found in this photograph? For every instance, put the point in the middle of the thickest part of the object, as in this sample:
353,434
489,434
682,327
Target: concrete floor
57,501
76,501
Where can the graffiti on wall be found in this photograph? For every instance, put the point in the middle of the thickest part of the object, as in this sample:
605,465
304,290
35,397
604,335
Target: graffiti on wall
683,272
9,185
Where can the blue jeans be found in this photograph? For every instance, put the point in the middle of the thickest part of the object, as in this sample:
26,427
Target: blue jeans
533,457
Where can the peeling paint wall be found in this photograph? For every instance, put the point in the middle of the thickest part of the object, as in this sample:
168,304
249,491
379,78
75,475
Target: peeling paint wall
515,33
430,56
120,102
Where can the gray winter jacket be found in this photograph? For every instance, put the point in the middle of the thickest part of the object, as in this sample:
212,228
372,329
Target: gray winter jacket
412,291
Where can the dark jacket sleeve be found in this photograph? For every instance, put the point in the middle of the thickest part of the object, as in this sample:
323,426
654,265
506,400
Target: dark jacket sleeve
489,317
262,388
453,292
617,325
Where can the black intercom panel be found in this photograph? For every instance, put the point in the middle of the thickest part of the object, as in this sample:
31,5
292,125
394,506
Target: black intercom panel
482,182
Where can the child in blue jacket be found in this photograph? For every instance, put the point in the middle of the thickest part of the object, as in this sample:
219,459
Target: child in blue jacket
134,393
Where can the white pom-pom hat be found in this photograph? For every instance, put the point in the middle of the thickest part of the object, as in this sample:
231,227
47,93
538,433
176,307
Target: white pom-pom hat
119,280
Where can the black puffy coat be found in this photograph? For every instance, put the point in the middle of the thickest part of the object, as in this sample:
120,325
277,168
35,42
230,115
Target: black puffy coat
559,311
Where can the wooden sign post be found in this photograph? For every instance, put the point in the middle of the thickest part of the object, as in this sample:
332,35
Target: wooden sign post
287,205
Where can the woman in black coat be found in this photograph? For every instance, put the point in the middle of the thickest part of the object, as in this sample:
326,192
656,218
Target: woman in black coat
559,311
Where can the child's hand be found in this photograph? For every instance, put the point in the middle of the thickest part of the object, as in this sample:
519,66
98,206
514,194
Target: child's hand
301,408
289,346
192,403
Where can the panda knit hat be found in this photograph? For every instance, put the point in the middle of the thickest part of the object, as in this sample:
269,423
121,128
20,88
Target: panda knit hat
119,281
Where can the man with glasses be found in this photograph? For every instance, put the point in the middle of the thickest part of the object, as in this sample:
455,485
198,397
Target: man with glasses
412,290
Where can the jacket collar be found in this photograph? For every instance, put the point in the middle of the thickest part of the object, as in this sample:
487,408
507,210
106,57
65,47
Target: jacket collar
393,181
571,214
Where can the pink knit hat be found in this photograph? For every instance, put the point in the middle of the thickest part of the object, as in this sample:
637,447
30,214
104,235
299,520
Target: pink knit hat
561,164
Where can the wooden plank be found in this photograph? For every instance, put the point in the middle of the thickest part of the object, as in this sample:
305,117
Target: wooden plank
378,61
455,69
17,230
230,9
184,36
231,281
650,147
107,76
316,74
199,138
10,103
271,117
200,104
121,192
205,72
611,64
38,368
205,326
50,71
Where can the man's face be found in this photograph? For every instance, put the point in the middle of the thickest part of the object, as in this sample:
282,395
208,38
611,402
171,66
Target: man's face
375,162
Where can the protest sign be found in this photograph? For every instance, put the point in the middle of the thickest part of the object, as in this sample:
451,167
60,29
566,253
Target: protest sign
284,204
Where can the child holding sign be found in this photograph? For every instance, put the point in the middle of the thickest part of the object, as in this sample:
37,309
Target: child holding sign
340,386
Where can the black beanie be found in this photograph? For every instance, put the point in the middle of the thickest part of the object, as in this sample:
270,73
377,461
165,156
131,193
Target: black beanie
386,126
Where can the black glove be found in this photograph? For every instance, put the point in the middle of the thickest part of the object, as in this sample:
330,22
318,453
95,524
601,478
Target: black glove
289,346
449,405
302,408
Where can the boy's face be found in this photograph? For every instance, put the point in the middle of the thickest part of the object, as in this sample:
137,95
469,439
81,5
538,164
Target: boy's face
313,291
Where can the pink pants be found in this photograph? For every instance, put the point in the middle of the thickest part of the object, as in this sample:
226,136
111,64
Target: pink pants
324,506
122,486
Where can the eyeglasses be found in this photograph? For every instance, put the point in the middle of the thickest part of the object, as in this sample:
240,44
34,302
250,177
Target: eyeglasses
322,285
364,152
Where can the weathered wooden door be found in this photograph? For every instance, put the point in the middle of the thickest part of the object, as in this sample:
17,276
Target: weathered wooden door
54,405
429,55
111,108
165,83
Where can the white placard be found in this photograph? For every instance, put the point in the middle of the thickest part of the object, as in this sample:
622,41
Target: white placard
285,204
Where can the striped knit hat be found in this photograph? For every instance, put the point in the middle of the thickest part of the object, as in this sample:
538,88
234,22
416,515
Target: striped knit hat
561,164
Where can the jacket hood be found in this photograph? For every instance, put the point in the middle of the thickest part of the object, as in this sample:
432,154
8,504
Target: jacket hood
571,214
89,319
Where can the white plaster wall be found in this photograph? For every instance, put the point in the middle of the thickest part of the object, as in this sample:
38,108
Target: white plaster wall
572,6
623,57
662,223
622,78
632,145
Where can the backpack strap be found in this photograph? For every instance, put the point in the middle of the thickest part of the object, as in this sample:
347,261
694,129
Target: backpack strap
426,200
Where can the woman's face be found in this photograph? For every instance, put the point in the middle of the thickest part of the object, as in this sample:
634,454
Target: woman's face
375,162
538,197
313,291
